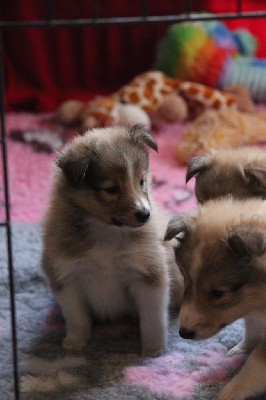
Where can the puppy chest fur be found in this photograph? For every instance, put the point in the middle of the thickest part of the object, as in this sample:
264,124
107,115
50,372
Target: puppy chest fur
105,270
104,291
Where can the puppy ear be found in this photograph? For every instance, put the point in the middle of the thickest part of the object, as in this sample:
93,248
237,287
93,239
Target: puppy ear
198,164
74,166
256,176
247,242
179,227
140,134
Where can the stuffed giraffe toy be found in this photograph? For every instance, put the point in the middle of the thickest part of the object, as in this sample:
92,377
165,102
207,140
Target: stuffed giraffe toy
149,89
154,93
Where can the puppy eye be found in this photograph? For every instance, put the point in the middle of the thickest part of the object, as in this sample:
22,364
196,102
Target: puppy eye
141,182
216,294
237,287
260,185
112,189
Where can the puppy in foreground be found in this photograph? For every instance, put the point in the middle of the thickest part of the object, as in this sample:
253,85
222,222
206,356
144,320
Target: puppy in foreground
221,251
238,172
104,252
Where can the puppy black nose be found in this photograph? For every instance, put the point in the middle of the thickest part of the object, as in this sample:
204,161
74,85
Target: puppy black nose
186,333
142,216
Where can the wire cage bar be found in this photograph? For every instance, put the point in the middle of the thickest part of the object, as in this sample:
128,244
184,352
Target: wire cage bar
7,223
140,20
95,20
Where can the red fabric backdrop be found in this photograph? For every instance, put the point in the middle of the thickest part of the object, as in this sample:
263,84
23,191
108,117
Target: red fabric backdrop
46,66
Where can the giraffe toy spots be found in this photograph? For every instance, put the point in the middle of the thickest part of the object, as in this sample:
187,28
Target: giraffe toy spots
149,90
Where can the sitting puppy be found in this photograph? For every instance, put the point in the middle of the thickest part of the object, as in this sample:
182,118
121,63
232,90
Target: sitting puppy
222,256
239,172
104,252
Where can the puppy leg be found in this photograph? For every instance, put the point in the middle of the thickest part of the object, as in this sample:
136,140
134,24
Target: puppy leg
152,305
78,322
249,340
250,381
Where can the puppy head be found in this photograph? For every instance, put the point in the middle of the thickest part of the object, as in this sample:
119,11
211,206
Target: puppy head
106,174
223,262
237,172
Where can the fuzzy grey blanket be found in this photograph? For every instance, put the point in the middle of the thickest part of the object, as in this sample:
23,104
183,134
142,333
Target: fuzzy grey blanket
111,366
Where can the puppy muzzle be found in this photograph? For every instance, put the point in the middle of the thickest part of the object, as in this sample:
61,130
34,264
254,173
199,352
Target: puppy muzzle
142,216
200,332
135,218
187,333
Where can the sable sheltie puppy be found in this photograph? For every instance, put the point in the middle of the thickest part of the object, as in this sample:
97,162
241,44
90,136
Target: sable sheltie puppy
221,251
238,172
104,252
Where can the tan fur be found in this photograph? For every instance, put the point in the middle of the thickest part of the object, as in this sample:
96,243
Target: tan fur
237,172
220,130
221,250
102,261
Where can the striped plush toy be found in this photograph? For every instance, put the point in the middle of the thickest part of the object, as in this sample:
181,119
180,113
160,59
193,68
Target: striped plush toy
152,92
210,54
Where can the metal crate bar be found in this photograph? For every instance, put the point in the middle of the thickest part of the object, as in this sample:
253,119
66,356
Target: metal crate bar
7,223
238,6
95,9
50,10
3,224
97,22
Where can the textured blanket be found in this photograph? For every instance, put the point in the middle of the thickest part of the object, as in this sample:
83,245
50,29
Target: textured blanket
111,366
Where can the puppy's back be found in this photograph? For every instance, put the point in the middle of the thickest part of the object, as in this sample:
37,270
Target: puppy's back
237,172
221,214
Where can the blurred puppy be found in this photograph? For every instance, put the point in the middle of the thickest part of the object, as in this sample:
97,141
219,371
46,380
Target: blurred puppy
221,251
237,172
104,252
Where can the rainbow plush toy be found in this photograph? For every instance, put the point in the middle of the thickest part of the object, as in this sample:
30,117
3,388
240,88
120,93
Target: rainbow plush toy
209,53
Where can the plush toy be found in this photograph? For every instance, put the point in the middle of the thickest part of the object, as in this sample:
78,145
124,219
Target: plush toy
240,41
209,53
243,98
152,93
219,130
155,92
100,112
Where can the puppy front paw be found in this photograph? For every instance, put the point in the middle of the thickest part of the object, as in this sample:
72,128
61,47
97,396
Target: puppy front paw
154,342
74,343
152,352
